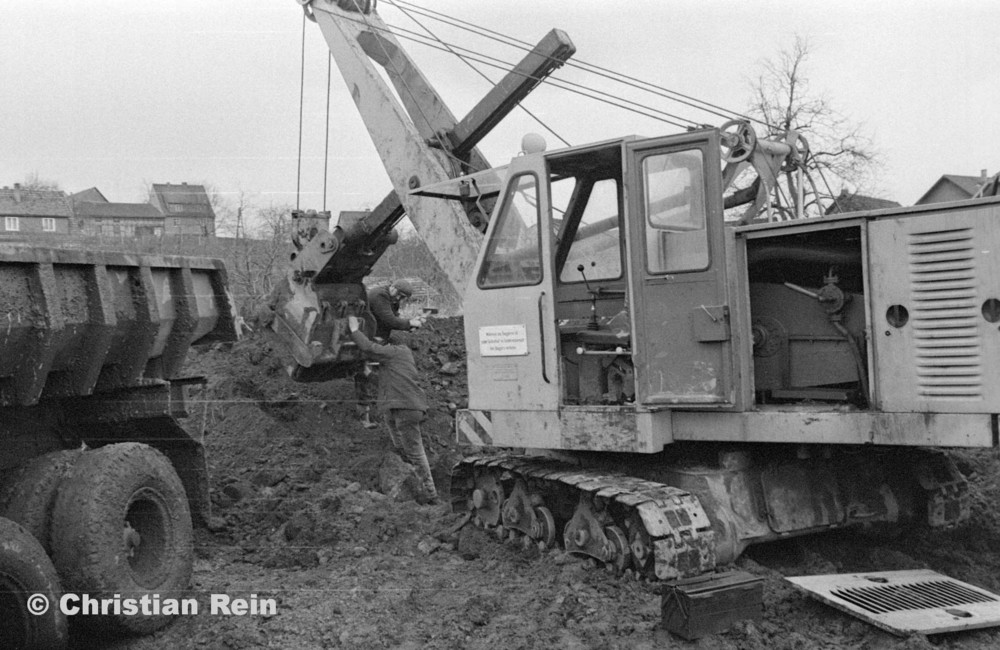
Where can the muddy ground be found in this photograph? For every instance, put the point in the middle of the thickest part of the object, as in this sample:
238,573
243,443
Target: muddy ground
299,518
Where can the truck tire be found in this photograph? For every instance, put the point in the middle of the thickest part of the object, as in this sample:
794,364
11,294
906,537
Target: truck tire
121,529
27,575
28,495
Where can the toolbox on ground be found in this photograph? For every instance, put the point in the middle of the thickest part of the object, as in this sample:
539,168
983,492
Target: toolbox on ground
703,605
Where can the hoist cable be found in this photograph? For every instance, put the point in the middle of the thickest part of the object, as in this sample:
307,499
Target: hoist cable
434,134
326,148
302,86
587,67
564,84
618,77
833,196
483,75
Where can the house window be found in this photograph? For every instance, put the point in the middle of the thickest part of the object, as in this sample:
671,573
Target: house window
157,231
177,223
48,224
176,207
11,223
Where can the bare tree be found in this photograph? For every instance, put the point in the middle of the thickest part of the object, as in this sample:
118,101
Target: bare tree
34,181
841,154
259,256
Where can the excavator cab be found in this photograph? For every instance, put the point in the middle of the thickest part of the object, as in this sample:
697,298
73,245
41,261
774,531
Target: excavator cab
600,287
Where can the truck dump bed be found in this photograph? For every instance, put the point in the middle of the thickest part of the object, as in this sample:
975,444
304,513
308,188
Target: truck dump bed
75,323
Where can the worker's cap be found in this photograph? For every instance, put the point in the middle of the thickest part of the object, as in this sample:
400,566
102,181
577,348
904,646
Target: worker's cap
403,287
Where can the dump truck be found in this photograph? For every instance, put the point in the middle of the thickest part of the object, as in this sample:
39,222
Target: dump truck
99,481
685,362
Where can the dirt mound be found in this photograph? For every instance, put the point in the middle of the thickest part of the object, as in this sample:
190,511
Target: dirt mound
295,478
299,517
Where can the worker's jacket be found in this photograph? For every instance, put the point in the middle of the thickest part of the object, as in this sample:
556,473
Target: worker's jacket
386,313
397,375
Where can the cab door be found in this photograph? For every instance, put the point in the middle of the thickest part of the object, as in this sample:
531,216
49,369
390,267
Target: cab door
510,329
681,330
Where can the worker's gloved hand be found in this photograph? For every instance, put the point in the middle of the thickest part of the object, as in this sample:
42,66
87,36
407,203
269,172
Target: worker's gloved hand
416,323
353,323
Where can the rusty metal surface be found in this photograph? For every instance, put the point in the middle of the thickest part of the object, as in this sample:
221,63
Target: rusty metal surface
73,323
906,602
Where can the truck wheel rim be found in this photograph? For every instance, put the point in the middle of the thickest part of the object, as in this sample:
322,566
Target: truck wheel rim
145,535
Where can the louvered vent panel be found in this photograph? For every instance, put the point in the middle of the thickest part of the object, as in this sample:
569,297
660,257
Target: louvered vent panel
947,350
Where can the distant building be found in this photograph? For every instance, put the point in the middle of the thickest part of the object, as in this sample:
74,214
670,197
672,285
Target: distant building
848,202
91,195
30,211
952,187
117,219
186,209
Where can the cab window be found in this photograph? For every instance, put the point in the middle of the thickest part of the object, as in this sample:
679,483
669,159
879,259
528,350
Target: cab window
514,252
674,203
596,242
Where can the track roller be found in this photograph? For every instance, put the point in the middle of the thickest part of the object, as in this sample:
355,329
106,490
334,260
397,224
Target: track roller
523,511
592,533
624,523
486,499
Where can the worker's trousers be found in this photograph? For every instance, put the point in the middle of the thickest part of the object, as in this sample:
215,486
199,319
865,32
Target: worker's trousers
404,430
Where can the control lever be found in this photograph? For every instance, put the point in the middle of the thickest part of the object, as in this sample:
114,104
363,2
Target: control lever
592,325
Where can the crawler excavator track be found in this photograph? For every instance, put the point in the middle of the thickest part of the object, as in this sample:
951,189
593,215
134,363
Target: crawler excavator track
630,524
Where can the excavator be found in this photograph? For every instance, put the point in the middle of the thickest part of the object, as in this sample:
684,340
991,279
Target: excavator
684,367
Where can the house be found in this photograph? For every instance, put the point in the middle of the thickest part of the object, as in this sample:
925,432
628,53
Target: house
118,219
852,202
90,195
29,211
186,209
952,187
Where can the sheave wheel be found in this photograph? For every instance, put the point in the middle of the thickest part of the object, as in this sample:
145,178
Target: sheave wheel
29,493
121,525
26,573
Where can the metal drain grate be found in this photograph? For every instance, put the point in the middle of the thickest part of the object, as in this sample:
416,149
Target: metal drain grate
906,602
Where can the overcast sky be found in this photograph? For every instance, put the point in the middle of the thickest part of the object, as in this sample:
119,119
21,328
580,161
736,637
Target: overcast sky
118,94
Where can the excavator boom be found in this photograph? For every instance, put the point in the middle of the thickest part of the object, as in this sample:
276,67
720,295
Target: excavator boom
420,142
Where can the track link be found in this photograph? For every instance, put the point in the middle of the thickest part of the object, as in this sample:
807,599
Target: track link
659,531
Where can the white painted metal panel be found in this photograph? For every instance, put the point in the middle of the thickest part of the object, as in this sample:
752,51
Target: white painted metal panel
906,602
935,271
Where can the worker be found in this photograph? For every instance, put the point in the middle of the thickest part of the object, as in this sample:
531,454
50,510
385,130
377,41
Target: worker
384,303
402,401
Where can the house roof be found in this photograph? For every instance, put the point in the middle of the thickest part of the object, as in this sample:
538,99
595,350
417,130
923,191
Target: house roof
92,195
967,184
856,202
19,202
118,210
182,193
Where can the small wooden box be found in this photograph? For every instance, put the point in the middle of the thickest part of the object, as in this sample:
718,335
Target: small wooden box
703,605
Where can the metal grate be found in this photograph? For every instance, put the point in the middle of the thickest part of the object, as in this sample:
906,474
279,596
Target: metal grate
882,599
944,320
906,602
